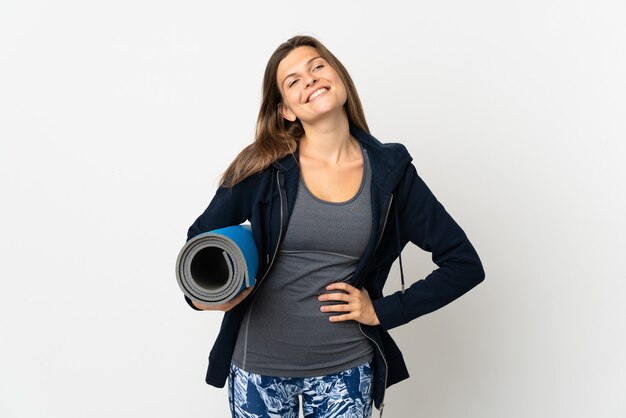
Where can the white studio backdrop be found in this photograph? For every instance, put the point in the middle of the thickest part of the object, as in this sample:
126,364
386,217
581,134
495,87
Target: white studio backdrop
116,119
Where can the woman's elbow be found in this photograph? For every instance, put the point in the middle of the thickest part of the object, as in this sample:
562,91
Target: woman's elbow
480,273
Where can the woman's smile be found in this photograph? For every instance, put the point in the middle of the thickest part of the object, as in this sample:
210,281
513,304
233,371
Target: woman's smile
317,93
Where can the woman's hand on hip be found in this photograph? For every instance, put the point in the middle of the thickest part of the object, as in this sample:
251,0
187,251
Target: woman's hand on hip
358,305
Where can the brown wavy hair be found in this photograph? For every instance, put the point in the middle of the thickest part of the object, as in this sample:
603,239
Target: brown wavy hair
277,137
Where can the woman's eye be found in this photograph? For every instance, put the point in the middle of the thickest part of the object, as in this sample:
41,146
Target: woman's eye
314,68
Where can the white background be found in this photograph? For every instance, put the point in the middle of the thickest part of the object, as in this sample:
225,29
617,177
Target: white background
116,119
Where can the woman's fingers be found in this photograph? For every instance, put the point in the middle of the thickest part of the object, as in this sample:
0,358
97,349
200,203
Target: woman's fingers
241,296
351,295
342,286
228,305
237,299
336,308
335,296
358,304
344,317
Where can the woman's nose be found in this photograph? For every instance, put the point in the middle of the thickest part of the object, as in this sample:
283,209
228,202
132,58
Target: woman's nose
312,80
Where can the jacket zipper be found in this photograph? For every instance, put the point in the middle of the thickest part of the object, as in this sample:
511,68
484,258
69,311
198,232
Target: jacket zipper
384,224
382,402
383,228
280,232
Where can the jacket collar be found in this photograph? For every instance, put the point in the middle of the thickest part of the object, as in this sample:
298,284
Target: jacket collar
388,160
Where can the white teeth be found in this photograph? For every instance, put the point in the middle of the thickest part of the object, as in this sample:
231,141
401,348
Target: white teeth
317,93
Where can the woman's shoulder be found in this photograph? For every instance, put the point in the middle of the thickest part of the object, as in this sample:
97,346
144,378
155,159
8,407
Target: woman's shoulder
390,151
249,182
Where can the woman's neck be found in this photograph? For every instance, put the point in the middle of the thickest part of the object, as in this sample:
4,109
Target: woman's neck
329,141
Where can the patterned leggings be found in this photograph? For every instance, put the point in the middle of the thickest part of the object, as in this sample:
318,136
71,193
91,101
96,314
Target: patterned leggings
346,394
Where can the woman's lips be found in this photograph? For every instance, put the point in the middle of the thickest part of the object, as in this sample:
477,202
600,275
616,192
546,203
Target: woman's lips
313,97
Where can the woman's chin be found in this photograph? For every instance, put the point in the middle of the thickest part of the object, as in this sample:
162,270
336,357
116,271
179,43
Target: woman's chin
323,112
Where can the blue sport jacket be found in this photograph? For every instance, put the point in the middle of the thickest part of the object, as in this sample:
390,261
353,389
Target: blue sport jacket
403,209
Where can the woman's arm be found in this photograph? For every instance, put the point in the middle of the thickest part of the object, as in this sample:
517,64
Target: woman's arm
229,206
425,222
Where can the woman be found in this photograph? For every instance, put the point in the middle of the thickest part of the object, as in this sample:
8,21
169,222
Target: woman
331,208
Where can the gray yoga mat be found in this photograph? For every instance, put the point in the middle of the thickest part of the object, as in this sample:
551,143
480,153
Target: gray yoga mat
215,266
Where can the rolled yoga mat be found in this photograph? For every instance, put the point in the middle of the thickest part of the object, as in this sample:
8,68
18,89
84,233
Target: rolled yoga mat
215,266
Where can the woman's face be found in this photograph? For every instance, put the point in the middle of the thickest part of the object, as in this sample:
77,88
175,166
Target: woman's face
310,87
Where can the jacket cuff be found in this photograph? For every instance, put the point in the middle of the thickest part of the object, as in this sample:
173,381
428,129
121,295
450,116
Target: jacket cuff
389,311
191,304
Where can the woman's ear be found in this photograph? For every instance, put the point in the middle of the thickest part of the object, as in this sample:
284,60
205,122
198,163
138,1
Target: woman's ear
286,112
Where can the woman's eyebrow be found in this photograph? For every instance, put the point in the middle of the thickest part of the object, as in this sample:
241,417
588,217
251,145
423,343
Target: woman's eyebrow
307,63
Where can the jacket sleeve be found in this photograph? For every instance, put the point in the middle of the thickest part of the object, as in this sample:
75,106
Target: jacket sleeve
229,206
425,222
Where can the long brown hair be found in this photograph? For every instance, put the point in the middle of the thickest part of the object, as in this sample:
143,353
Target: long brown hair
277,137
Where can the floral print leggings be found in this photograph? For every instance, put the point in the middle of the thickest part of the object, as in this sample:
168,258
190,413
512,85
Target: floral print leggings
346,394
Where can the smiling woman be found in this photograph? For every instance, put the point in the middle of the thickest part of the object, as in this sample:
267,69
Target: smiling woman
331,208
312,89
